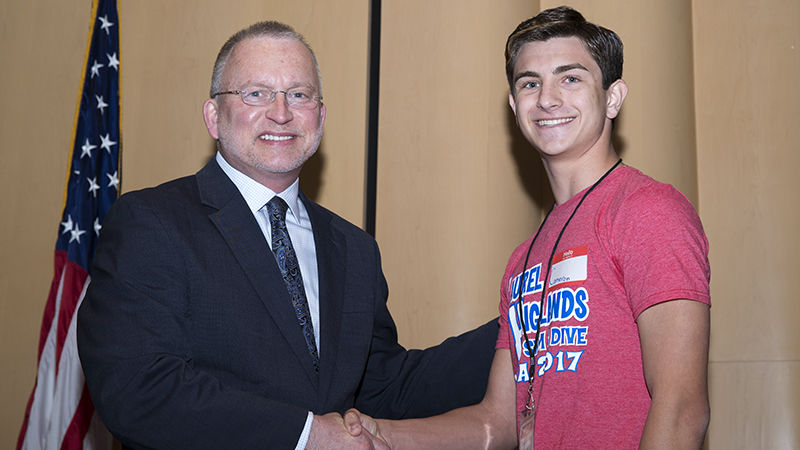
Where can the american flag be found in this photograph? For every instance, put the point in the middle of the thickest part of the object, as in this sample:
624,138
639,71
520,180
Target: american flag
60,414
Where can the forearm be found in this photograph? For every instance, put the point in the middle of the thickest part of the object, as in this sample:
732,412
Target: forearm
677,426
674,338
472,427
488,424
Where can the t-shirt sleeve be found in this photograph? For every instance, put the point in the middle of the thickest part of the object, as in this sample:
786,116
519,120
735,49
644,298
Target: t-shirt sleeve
503,335
515,262
661,248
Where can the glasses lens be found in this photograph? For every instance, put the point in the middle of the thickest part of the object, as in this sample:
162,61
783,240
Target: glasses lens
300,98
256,97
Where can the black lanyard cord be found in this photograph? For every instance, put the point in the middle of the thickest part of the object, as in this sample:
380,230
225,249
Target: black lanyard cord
533,348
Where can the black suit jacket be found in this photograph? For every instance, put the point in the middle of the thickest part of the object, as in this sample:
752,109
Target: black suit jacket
188,339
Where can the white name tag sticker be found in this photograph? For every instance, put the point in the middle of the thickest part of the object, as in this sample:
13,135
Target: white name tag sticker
569,267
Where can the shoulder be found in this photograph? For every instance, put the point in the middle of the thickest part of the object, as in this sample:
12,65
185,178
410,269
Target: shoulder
643,220
164,194
638,198
209,186
159,206
657,243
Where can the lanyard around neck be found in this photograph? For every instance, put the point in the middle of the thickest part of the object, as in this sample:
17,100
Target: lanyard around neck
532,348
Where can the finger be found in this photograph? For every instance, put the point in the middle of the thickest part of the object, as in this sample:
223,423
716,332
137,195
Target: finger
352,422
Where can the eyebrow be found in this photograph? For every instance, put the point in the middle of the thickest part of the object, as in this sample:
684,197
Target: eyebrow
526,74
556,71
568,67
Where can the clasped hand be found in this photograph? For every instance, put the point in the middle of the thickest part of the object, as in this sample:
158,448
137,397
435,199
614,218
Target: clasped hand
361,432
358,423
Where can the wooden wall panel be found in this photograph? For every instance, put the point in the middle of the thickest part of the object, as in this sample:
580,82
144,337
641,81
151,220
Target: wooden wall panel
754,405
42,43
452,172
746,61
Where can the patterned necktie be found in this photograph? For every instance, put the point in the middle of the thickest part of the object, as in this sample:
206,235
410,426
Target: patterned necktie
290,270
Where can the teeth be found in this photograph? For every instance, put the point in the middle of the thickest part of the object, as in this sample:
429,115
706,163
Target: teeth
269,137
551,122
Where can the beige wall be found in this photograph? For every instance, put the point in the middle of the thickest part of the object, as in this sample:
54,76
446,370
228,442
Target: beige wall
747,103
712,110
39,86
448,168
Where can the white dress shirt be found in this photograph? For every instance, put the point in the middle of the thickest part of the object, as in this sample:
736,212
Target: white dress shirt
299,227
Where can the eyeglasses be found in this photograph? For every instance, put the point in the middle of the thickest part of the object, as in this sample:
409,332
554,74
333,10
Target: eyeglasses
299,98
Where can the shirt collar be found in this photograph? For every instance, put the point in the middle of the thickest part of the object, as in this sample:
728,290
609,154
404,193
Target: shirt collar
256,194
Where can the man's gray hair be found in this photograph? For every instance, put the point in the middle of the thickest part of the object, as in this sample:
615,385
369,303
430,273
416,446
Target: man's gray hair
270,29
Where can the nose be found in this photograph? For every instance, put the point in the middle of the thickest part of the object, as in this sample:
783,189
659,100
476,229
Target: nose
549,97
278,110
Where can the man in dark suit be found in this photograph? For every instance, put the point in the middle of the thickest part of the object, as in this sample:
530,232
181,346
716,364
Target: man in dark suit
193,334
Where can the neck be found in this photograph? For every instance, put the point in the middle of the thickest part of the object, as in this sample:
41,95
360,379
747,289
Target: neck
275,181
568,177
277,184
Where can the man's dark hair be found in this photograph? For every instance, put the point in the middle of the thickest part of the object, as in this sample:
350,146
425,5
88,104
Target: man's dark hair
604,45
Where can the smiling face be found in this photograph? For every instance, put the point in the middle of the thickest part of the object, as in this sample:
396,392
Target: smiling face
268,143
559,101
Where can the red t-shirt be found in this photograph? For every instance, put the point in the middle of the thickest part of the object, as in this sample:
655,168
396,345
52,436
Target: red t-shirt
633,243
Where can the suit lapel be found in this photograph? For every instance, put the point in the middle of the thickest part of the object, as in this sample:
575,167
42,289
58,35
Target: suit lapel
330,246
236,224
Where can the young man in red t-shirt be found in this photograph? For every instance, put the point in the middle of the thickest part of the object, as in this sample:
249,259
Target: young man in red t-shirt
605,309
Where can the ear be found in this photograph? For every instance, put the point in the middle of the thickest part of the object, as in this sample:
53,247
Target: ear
322,112
210,116
615,96
512,103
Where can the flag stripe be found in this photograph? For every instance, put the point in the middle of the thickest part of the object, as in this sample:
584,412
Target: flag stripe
59,411
47,323
69,382
50,308
74,281
36,419
73,438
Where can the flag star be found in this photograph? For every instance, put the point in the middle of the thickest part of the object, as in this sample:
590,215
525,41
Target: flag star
113,61
87,148
106,24
113,180
101,105
107,142
97,226
67,225
93,186
76,234
96,69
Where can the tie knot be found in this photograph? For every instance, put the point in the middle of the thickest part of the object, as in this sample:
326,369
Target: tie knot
277,207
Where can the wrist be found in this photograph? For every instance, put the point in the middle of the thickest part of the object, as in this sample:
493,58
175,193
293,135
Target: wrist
386,430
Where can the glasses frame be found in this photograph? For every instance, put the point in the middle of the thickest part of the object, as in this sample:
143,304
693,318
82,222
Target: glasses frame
315,99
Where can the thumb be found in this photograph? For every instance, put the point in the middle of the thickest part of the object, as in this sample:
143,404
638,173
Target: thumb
352,422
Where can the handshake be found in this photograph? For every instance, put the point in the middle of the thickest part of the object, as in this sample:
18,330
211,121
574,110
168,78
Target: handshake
360,432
